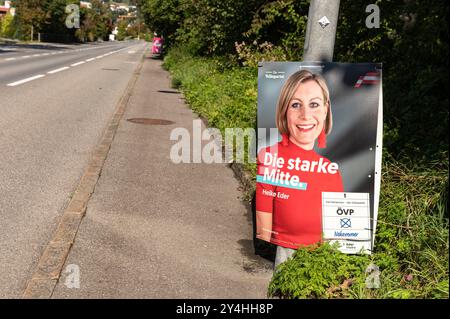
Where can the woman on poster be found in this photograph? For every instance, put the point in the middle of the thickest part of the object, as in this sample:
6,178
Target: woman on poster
287,216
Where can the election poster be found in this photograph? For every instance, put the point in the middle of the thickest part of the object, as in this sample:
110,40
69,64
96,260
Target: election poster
319,154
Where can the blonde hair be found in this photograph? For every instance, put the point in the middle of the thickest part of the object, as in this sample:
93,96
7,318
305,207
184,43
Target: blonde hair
287,93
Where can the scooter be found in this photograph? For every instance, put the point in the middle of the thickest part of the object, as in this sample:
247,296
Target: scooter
157,47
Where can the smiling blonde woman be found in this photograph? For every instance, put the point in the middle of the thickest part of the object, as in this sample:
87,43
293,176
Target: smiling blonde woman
291,217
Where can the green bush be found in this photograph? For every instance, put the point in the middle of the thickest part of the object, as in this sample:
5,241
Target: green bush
219,91
412,44
7,27
318,272
203,82
282,24
411,246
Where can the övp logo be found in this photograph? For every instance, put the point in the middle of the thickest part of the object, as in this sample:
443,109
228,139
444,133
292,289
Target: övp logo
343,211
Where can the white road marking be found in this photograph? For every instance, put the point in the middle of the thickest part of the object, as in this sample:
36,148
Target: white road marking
78,63
58,70
26,80
69,51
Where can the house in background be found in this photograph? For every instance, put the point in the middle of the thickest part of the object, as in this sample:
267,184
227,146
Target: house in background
85,4
6,8
3,12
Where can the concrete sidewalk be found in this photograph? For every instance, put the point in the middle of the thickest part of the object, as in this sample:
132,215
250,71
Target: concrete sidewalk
155,229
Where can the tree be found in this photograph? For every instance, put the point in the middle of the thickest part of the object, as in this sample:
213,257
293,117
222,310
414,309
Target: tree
211,27
48,17
7,27
163,17
96,22
30,14
282,24
206,27
54,27
122,30
412,44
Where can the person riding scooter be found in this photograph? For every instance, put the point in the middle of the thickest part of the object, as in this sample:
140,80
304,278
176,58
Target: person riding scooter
157,47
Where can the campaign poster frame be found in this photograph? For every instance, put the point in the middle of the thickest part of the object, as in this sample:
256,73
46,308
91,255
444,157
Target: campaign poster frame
355,142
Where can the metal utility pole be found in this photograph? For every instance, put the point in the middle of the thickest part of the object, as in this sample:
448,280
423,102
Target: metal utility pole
321,30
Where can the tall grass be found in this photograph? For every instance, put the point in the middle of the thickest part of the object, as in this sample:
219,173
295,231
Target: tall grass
221,92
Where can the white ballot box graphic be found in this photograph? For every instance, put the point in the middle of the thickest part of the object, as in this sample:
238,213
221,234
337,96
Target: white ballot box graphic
346,220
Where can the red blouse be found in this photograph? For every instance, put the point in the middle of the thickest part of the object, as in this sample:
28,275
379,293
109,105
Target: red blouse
297,213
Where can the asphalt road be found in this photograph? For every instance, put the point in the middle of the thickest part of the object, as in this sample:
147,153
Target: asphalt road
55,102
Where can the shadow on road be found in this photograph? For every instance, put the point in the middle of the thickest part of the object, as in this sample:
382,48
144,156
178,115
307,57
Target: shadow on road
155,57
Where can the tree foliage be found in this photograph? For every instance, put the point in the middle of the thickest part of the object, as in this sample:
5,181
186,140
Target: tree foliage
29,13
206,27
7,27
48,17
412,44
96,23
282,24
163,17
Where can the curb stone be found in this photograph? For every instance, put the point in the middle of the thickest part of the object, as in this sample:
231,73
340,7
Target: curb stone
49,268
